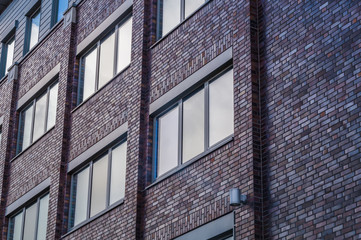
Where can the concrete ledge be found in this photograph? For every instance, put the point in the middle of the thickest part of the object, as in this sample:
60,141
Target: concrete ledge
193,79
94,35
35,89
97,147
27,197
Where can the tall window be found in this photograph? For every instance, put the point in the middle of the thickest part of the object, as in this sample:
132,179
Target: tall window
194,124
59,8
31,221
38,117
109,57
99,185
7,55
172,12
33,30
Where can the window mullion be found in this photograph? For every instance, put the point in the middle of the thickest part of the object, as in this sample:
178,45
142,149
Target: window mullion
182,15
206,116
180,132
89,190
108,177
116,40
97,67
33,122
22,224
37,217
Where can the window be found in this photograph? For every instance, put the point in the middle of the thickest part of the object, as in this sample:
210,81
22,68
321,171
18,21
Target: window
109,57
38,117
7,55
173,12
30,222
32,30
59,8
194,124
99,185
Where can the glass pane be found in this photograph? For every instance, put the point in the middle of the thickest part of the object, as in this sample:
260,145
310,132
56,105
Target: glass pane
193,126
43,217
106,64
16,226
89,71
124,44
81,204
10,54
27,121
53,100
168,141
99,186
30,222
34,31
171,15
191,6
62,6
39,118
221,108
117,176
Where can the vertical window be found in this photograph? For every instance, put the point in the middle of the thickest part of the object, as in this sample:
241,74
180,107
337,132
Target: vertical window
31,221
99,185
7,55
38,117
195,124
172,12
34,29
59,8
109,57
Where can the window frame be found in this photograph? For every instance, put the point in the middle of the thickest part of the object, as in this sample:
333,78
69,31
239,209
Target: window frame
32,103
4,55
55,12
22,209
159,30
28,32
178,103
114,29
107,151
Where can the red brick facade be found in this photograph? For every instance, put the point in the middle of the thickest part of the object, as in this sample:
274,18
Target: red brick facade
295,150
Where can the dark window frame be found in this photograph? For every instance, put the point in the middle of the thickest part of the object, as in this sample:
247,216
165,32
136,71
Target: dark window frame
4,54
35,200
113,30
32,103
178,103
55,12
28,32
106,151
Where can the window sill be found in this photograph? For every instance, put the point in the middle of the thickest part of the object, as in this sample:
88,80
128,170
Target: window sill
37,140
178,25
97,91
3,78
193,160
85,222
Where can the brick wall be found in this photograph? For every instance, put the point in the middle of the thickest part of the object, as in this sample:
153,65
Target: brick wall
313,65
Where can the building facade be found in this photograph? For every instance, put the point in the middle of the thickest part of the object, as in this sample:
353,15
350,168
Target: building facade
129,119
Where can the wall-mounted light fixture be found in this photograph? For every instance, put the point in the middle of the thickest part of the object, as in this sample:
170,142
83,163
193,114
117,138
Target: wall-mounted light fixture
236,198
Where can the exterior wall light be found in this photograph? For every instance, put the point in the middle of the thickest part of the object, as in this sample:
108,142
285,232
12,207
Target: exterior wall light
236,198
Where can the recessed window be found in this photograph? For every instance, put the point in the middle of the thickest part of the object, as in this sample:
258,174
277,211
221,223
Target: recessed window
31,221
109,57
194,124
33,26
99,185
38,117
7,55
59,8
173,12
